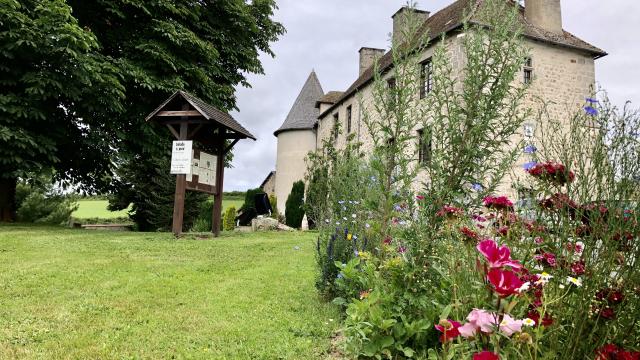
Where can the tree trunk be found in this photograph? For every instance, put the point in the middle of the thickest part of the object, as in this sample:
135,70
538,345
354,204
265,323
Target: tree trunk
8,199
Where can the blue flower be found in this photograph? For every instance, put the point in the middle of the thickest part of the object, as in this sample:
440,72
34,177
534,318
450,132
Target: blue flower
340,276
476,187
397,207
592,100
590,110
529,165
356,253
530,149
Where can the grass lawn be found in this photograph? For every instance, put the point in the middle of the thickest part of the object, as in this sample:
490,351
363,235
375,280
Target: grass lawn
88,209
96,209
80,294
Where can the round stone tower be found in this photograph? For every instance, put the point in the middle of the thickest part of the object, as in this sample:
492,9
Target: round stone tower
296,138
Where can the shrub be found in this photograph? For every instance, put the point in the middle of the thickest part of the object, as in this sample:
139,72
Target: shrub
273,201
249,199
54,209
229,219
294,211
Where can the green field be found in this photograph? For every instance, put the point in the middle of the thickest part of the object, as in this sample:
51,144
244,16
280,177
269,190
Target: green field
78,294
88,209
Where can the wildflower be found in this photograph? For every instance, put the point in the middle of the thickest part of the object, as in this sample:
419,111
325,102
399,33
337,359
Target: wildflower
349,236
476,187
607,313
510,326
592,100
341,202
528,322
340,275
387,241
578,268
590,110
505,283
543,279
344,218
524,287
538,240
530,165
553,172
402,249
534,315
419,197
575,281
367,225
497,257
486,355
326,221
450,211
530,149
449,330
353,216
498,202
478,321
469,234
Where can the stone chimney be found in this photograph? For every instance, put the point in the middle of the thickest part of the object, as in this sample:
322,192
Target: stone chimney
400,19
545,14
367,57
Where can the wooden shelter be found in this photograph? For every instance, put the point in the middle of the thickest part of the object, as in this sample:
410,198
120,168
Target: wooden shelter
189,118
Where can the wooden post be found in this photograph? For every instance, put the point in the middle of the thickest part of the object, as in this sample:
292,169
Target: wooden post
181,186
217,201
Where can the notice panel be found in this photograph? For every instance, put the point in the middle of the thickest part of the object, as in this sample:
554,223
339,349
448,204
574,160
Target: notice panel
181,157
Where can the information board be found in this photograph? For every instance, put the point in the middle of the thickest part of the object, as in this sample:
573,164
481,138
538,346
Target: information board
181,155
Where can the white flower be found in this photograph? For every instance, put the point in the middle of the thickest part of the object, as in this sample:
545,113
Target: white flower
575,281
561,286
353,216
543,278
344,218
367,225
337,223
524,287
528,322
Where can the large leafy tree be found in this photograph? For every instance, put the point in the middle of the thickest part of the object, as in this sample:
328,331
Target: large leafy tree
205,47
80,76
52,81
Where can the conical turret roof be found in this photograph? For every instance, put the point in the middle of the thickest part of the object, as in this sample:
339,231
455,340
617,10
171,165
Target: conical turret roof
303,113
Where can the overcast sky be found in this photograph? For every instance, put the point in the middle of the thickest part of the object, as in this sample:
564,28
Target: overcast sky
326,35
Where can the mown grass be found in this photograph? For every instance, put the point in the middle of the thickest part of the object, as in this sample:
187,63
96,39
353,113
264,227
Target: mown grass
78,294
91,209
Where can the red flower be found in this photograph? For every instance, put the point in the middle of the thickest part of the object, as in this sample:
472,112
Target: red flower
497,256
559,201
468,233
387,241
420,197
450,211
612,352
607,313
449,330
615,297
552,172
486,355
498,202
578,268
534,315
505,283
546,258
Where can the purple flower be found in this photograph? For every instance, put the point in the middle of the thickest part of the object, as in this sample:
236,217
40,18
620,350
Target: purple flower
402,249
590,110
476,187
529,165
592,100
530,149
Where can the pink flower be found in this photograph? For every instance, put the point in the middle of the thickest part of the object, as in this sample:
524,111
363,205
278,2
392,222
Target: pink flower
509,325
449,330
486,355
479,320
505,283
497,256
420,197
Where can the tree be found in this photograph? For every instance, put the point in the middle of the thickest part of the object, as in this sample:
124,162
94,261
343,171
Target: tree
294,211
53,81
79,77
204,47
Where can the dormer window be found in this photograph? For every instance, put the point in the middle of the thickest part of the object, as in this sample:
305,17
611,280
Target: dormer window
528,70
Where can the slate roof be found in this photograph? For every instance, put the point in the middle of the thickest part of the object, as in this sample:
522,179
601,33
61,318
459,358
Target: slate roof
271,174
207,111
303,113
329,98
452,18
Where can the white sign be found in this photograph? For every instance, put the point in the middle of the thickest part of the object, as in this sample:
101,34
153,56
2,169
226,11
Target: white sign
205,168
181,157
